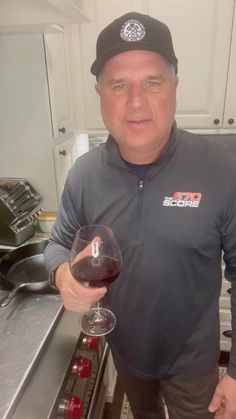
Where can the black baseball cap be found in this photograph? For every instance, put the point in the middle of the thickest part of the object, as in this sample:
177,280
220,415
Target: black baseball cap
133,31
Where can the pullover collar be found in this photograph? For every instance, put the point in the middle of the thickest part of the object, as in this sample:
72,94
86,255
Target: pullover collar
114,157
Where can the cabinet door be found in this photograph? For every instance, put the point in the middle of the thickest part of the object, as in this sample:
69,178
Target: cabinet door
201,31
58,69
25,124
230,102
64,159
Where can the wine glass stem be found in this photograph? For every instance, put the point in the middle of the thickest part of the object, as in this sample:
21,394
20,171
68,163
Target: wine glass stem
97,306
98,317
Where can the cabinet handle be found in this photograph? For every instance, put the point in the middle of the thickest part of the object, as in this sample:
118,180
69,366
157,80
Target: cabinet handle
227,333
216,121
230,121
62,130
62,152
229,291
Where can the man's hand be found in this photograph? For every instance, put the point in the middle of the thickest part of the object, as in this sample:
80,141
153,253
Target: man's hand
223,402
76,297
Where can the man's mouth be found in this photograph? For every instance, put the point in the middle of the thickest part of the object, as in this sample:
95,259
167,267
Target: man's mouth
138,122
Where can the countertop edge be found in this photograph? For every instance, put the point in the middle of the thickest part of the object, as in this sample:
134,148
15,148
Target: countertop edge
50,370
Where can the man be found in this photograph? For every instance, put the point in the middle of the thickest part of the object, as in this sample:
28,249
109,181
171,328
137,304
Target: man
170,198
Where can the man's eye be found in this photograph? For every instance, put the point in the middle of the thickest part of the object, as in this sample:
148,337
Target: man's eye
119,88
153,84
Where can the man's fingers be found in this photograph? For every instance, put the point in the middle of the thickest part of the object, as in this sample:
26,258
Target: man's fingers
216,401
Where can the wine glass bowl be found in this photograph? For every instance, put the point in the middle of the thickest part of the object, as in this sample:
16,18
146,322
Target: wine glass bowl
95,261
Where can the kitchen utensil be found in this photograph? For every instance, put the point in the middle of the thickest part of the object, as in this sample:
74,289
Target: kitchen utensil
21,200
24,268
19,195
14,191
23,222
23,191
15,206
28,205
26,221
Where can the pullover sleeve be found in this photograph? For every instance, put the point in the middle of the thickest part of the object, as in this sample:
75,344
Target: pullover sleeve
229,256
64,229
232,363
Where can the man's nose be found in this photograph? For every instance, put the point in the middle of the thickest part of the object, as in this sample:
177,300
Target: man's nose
137,96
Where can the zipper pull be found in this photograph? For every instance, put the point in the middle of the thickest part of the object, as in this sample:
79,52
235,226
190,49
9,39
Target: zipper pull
140,188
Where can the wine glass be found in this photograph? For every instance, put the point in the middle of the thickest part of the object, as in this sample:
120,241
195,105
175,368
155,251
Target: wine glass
95,261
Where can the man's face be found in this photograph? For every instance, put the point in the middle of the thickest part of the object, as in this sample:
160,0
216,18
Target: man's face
138,99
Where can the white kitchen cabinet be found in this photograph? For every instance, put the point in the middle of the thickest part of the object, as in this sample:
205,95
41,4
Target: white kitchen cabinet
26,148
30,16
36,99
57,50
64,158
230,103
202,31
64,62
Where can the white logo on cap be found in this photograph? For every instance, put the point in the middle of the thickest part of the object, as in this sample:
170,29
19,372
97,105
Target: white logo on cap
132,31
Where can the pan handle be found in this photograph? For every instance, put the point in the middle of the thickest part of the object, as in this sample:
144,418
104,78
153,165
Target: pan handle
11,295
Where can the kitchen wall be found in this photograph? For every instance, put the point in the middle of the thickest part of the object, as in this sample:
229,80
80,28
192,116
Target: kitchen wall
25,124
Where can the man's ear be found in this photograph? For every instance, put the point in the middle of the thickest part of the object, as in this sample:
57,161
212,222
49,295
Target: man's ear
97,88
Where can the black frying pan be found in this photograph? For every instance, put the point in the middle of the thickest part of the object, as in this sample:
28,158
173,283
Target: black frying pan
24,268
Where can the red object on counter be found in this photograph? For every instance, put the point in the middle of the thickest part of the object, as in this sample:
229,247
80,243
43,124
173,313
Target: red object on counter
82,367
91,342
75,408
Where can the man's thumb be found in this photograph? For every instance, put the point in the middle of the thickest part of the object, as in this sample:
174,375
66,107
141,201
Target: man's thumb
215,402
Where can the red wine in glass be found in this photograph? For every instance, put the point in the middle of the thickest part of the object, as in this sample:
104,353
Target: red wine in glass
95,261
100,275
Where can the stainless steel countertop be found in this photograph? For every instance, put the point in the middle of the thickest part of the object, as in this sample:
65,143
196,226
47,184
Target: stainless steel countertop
25,326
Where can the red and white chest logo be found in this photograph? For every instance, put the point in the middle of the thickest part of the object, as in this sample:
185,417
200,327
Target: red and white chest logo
183,199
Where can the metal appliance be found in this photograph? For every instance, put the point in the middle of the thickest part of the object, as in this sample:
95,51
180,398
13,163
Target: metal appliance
64,385
18,201
82,394
49,369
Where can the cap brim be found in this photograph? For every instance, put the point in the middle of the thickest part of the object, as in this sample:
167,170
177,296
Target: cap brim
119,48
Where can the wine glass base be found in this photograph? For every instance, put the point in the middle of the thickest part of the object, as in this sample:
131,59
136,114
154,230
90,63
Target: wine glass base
98,322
